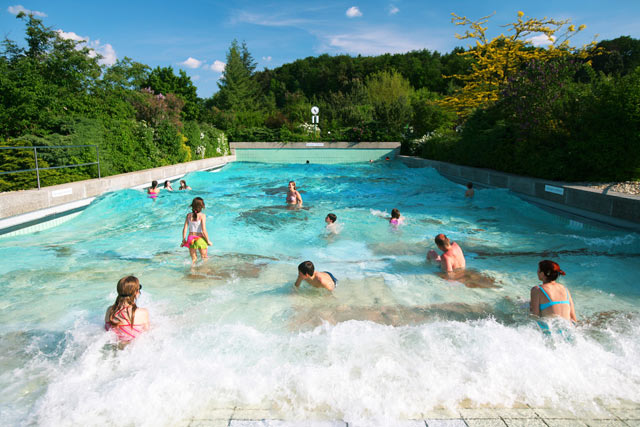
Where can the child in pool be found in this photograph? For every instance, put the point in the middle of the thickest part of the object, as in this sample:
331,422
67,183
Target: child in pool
183,185
332,227
196,225
124,317
317,279
293,195
470,192
396,219
167,185
153,191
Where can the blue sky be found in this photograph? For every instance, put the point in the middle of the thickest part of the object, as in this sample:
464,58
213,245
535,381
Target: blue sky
195,35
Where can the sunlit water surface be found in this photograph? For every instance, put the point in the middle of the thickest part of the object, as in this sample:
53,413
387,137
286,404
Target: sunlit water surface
394,339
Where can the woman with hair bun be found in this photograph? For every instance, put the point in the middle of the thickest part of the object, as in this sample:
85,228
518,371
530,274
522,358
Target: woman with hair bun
551,299
124,317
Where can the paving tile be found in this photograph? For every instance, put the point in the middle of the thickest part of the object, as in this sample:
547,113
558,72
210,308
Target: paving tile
605,423
558,422
627,413
445,423
209,423
551,413
252,414
479,413
306,423
632,423
442,414
485,422
397,423
525,422
516,413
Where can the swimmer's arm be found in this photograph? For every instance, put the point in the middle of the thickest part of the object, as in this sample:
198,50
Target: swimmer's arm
143,315
204,230
572,314
107,315
534,304
184,228
298,280
299,198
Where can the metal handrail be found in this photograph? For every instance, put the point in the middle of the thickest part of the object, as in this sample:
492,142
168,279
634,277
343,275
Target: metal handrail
35,155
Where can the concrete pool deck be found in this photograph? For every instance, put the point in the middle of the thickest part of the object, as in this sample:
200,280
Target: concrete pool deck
619,415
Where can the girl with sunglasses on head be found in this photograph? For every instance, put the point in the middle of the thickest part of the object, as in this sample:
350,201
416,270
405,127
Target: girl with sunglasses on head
124,317
551,299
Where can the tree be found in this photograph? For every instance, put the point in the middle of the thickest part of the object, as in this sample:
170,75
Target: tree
238,89
389,94
162,80
495,61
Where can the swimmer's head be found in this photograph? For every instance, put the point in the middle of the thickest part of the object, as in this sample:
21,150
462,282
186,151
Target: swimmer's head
331,218
197,205
183,183
442,241
292,185
307,161
128,286
306,268
470,185
154,184
395,213
166,183
550,270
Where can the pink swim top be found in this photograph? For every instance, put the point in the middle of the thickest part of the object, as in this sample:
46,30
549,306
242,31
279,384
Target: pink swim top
125,331
292,198
393,221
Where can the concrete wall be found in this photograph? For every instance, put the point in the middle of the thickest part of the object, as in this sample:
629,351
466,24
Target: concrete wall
314,152
617,209
314,145
61,198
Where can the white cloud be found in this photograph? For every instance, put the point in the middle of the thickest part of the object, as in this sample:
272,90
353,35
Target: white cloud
195,78
266,58
372,42
269,21
393,9
108,53
14,10
541,40
353,12
218,66
191,63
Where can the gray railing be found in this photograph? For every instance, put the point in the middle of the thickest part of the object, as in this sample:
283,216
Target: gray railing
35,156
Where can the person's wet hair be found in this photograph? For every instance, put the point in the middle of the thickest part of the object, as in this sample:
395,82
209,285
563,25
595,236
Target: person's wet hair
395,213
306,268
154,184
442,240
332,217
470,185
196,207
550,269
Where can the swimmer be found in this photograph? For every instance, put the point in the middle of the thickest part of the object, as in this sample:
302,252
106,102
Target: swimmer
317,279
196,224
293,195
551,299
167,185
470,192
183,185
452,257
332,227
124,317
153,191
396,219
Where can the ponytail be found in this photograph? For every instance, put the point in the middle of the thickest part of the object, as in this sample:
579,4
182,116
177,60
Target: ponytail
128,288
550,269
197,205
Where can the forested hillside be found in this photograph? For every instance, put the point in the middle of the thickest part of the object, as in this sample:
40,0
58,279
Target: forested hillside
558,112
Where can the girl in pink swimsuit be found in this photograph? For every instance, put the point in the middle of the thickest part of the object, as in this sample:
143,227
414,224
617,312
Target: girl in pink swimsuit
124,317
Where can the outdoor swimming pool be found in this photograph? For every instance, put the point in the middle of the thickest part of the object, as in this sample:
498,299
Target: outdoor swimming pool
392,341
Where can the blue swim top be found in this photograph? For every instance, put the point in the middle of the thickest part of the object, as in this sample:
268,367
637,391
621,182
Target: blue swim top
550,303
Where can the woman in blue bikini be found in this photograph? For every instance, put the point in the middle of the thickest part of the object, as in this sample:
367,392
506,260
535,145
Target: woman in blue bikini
551,299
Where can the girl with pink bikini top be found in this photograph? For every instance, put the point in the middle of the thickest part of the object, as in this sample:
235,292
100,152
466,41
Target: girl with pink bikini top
124,317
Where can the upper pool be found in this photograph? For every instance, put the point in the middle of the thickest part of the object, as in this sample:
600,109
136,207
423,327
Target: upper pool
393,340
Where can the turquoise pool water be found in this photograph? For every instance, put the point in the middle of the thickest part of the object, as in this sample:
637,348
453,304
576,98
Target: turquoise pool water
392,341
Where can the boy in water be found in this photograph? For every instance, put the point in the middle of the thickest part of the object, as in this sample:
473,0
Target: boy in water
317,279
452,257
469,192
332,227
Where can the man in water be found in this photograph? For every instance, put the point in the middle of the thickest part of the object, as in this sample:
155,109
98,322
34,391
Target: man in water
452,257
469,192
317,279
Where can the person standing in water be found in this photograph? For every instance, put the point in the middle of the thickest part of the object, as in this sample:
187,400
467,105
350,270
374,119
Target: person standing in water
551,299
124,317
470,192
331,227
317,279
196,226
153,191
452,257
293,195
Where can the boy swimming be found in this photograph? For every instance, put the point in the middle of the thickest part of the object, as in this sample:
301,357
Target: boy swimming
317,279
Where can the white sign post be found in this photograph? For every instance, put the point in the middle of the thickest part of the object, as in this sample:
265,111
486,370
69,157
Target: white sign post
315,119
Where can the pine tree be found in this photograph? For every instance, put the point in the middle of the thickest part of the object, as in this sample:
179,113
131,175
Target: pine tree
238,89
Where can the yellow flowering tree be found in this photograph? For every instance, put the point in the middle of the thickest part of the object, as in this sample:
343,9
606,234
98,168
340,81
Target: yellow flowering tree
495,60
